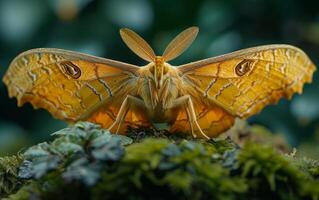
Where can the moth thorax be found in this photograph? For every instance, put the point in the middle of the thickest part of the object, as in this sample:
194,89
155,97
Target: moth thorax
159,70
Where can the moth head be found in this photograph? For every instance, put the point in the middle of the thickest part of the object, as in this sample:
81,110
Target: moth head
175,48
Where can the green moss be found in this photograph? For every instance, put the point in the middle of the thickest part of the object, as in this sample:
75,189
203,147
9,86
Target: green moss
86,162
26,192
264,165
164,169
9,181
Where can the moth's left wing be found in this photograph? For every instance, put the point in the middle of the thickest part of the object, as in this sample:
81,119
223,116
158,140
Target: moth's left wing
72,86
244,82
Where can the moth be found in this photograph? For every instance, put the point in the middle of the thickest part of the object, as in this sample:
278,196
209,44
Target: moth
202,98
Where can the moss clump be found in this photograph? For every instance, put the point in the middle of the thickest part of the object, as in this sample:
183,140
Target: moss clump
159,168
281,179
86,162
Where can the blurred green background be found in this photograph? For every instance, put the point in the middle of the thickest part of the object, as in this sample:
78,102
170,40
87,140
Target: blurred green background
91,26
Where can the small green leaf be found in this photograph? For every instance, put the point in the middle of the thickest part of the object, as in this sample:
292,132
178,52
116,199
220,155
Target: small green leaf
62,132
124,140
112,150
26,170
67,148
171,150
35,152
84,171
42,165
101,140
178,180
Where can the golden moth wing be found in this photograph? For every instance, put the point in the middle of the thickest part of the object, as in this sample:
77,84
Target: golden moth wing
245,81
70,85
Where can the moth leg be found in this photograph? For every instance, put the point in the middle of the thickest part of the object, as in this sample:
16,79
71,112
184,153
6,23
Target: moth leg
193,118
121,115
190,123
127,103
121,120
187,102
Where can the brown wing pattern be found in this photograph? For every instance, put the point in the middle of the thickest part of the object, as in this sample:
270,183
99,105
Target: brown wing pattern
244,82
71,86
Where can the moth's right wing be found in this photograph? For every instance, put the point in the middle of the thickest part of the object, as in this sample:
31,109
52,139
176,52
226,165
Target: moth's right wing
71,86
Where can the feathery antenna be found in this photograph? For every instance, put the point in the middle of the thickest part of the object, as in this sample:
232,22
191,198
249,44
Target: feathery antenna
180,43
137,44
